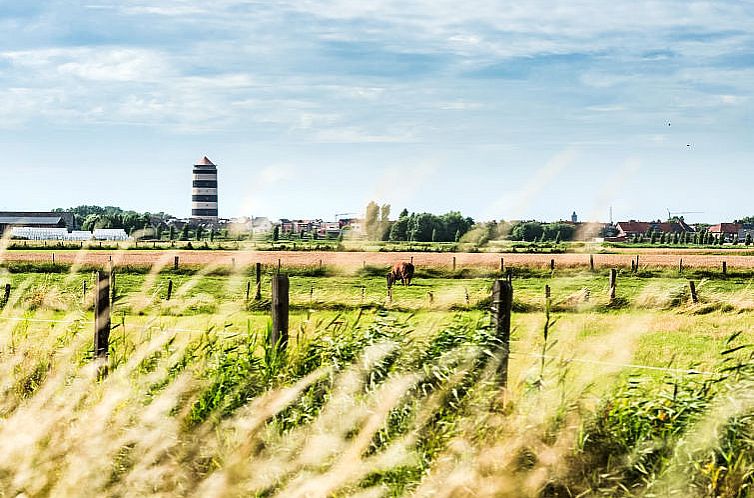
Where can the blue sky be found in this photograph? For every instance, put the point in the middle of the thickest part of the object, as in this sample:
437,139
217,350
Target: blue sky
501,110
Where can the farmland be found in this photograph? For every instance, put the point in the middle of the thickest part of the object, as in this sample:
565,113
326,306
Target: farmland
376,396
351,260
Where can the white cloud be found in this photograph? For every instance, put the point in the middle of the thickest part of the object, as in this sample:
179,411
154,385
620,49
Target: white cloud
117,65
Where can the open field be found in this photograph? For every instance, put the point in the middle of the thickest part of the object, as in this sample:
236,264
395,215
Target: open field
353,260
649,394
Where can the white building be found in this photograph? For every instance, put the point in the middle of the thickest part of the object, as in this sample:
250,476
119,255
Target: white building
110,234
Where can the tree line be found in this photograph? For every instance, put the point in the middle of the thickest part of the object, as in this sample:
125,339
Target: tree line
93,217
414,227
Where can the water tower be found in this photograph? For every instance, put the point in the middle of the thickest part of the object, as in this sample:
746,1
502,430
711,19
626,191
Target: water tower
204,191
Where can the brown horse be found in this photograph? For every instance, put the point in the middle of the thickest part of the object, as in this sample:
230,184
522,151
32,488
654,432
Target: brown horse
401,271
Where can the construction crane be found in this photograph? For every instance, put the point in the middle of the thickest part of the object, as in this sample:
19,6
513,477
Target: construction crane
677,213
337,215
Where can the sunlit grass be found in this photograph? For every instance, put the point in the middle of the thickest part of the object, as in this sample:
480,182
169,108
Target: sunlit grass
375,398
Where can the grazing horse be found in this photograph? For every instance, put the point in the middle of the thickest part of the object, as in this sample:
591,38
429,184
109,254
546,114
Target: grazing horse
401,271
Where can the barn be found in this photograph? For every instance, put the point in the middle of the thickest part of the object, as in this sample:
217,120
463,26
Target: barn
35,219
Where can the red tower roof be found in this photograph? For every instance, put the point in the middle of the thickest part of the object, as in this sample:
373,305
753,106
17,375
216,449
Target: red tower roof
204,161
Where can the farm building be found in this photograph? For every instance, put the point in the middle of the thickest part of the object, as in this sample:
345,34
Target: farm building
37,233
9,219
746,229
630,228
727,231
110,234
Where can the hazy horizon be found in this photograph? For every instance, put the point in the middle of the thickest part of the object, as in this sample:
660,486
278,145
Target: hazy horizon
498,110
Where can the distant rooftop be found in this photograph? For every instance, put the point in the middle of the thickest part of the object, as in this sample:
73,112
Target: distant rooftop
204,161
30,220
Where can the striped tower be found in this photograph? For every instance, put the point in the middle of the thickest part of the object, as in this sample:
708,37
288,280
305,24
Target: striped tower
204,191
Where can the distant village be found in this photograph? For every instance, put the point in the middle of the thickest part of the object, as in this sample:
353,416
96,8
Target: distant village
113,224
65,226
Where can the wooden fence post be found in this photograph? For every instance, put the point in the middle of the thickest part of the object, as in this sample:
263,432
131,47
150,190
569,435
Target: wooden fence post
637,264
6,295
112,286
83,288
633,266
102,316
431,297
279,336
502,265
170,289
363,293
175,262
509,274
680,265
552,265
725,267
502,303
692,289
454,263
591,262
233,263
258,296
412,260
248,290
466,295
53,258
613,283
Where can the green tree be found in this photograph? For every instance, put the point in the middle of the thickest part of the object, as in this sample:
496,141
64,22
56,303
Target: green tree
747,241
171,232
185,232
451,223
371,221
399,230
420,227
384,221
275,233
527,231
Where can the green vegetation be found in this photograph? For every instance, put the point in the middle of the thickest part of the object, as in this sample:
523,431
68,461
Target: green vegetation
93,217
648,395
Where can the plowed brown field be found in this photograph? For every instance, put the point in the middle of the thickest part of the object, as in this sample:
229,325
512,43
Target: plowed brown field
353,260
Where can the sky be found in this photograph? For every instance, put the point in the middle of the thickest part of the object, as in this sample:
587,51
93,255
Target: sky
501,110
